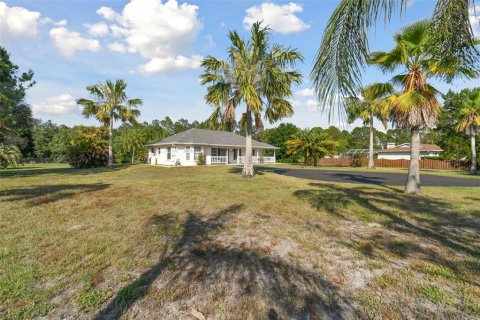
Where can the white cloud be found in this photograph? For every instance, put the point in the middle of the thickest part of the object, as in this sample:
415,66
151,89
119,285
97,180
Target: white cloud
160,32
63,104
171,64
410,3
69,42
17,22
117,47
307,92
107,13
313,105
474,17
59,23
280,18
97,29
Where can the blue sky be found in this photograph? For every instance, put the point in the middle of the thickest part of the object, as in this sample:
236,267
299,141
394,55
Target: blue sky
156,46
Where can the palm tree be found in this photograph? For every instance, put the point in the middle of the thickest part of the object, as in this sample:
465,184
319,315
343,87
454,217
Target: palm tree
311,144
343,52
469,123
371,104
110,103
416,107
258,74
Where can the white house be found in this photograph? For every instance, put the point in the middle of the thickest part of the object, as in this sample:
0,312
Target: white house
219,147
402,151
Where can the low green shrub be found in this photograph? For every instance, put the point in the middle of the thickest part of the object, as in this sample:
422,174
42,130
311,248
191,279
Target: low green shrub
202,159
89,147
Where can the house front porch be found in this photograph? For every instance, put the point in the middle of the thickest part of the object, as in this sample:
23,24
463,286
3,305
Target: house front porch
235,156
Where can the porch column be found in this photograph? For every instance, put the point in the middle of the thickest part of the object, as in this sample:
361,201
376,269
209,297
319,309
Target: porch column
274,157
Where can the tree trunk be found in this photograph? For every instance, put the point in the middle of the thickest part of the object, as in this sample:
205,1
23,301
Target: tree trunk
473,166
371,164
110,143
413,179
133,155
248,165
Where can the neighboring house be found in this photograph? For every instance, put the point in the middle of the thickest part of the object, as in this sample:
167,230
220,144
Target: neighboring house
402,151
219,147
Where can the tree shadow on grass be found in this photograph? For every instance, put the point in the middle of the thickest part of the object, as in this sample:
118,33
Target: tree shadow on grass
421,222
197,270
43,194
39,171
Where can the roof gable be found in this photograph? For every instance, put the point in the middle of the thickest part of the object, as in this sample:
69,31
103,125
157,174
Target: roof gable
210,137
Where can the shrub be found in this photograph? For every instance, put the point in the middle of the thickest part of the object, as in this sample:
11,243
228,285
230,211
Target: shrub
89,147
202,159
10,155
358,159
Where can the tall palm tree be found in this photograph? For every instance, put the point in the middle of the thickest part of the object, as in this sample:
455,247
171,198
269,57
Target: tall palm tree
110,103
311,145
469,123
371,104
257,74
416,107
343,52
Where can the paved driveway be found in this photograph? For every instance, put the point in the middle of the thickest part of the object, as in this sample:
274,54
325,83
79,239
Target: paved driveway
385,178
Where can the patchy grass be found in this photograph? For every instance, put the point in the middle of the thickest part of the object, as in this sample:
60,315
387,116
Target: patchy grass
149,242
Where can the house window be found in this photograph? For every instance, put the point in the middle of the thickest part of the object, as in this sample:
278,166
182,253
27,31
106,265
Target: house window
235,154
159,151
219,152
196,152
151,150
169,153
188,153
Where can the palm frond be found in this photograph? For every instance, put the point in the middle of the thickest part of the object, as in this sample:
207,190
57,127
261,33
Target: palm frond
344,50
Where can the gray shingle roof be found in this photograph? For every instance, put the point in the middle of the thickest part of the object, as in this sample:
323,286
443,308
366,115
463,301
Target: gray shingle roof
210,137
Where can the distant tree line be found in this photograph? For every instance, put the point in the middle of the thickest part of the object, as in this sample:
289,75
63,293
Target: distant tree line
50,140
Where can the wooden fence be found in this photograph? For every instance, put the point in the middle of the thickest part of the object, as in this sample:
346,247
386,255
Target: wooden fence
402,163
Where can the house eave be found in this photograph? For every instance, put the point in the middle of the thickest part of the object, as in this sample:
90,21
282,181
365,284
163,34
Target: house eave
156,144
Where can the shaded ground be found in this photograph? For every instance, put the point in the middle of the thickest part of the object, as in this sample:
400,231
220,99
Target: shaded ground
382,178
146,242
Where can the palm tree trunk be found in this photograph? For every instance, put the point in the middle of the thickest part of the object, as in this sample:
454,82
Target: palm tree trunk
413,179
110,142
248,165
371,164
133,154
473,166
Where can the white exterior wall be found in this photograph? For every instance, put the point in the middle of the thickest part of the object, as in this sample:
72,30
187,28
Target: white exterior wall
178,152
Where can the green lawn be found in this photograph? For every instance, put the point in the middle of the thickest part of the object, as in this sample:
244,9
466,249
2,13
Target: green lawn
144,242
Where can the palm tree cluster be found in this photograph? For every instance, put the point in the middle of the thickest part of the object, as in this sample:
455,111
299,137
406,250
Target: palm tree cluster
312,145
344,49
415,106
258,75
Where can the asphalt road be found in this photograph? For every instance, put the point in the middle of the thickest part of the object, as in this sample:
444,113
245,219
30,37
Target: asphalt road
383,178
